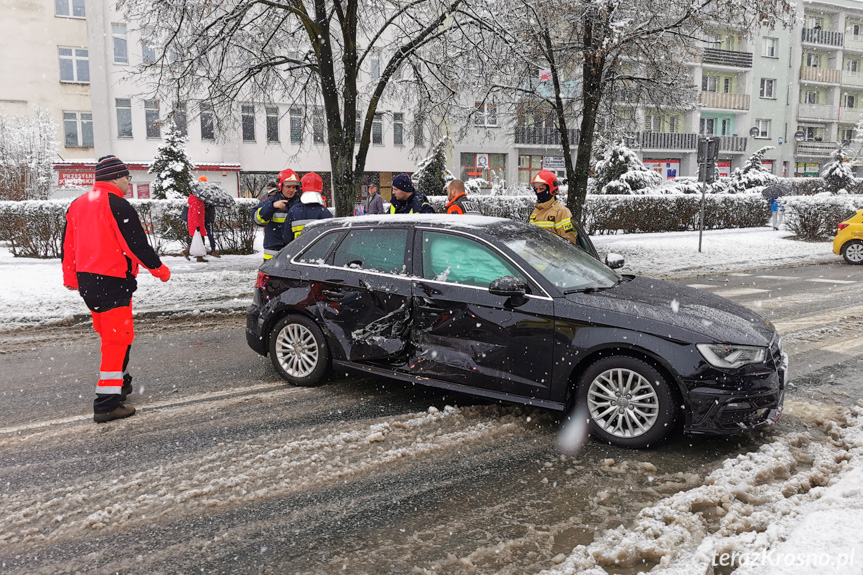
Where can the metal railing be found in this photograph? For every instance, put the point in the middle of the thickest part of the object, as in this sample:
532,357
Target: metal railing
826,75
823,37
732,143
811,148
724,101
727,58
544,136
660,141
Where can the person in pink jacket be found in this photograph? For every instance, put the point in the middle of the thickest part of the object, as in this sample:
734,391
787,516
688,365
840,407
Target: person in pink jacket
196,222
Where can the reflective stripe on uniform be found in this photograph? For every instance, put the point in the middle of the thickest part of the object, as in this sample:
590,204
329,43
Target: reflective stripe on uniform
109,389
297,227
543,224
562,223
279,217
269,253
110,375
392,209
259,219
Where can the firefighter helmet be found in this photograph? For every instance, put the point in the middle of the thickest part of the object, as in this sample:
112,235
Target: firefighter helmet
549,179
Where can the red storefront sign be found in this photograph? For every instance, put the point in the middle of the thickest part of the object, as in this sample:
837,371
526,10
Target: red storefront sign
143,191
83,179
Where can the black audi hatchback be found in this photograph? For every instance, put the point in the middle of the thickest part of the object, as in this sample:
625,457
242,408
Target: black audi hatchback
508,311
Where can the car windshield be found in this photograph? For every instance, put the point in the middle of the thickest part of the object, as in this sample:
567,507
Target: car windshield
561,262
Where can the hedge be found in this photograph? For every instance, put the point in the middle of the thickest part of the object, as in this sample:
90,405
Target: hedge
817,217
34,228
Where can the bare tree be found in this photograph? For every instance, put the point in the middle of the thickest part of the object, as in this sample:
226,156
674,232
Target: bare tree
602,60
310,54
28,148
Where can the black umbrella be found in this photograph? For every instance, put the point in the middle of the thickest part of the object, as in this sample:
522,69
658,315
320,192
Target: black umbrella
212,194
776,191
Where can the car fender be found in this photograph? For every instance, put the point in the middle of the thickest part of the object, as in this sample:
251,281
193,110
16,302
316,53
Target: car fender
294,300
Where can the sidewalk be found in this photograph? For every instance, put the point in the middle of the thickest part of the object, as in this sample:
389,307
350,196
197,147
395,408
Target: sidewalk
32,293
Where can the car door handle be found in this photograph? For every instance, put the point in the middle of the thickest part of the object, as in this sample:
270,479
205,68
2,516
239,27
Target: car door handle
428,289
426,305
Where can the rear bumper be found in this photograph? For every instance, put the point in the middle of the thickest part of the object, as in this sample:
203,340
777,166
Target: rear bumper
254,333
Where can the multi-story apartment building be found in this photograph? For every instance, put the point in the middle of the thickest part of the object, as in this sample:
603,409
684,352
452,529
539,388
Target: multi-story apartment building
796,89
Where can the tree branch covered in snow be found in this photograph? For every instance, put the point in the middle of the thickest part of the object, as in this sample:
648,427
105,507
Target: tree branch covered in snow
28,148
172,167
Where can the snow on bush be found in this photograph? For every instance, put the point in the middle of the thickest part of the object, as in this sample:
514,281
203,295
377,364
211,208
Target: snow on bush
753,175
172,167
34,229
28,148
837,174
620,172
817,217
432,176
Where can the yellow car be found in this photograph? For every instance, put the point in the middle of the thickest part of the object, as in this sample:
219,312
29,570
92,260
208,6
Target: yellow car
849,239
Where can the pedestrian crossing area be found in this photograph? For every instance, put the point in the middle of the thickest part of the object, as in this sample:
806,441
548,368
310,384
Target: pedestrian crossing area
721,287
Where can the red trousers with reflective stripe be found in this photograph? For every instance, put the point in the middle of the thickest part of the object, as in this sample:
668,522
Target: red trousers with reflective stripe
115,328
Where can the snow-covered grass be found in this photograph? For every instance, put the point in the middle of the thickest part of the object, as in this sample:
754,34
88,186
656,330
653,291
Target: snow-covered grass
31,291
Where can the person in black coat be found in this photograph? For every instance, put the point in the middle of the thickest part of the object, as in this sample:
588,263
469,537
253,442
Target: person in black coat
406,199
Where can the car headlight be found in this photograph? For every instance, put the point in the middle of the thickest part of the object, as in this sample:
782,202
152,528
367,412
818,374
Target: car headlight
731,356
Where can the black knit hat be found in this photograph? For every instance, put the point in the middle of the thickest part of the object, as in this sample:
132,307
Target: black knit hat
404,183
110,168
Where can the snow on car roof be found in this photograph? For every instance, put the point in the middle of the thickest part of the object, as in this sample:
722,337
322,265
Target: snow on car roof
464,221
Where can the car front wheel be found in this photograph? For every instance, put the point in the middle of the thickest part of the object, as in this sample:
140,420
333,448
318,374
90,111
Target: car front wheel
853,252
298,350
628,402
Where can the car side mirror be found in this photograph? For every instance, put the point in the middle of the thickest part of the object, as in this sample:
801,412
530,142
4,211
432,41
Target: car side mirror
614,261
510,287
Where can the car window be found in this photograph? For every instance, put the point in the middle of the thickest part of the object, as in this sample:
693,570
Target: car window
317,252
380,249
457,259
562,263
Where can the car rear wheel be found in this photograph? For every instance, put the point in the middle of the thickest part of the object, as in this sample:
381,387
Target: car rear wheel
629,403
298,350
853,252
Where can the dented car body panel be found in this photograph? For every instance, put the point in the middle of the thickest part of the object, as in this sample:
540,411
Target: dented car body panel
410,298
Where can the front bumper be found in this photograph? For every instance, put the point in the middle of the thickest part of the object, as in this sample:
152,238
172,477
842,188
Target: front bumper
254,333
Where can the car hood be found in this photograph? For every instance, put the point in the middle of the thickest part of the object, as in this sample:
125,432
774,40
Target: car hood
681,307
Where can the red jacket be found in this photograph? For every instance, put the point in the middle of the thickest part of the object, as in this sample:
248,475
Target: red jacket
196,215
104,237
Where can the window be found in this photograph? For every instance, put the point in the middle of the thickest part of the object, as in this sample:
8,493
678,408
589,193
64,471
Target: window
180,118
855,30
816,22
707,126
763,128
398,129
455,259
769,47
296,125
247,113
378,130
121,52
652,123
74,65
848,135
78,129
151,117
272,123
485,166
852,66
709,83
381,250
810,97
318,126
70,8
419,130
674,123
124,117
813,133
726,85
849,100
812,60
375,65
208,125
317,252
768,87
486,114
148,53
724,127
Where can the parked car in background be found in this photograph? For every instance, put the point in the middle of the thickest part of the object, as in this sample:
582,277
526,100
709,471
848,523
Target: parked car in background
505,310
849,239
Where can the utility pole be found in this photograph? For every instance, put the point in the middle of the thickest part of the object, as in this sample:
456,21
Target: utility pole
708,154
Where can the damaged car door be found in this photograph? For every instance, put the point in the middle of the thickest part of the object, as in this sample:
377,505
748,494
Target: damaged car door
367,293
464,333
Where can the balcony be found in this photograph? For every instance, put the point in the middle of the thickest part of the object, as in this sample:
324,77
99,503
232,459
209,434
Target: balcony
854,43
543,136
822,37
660,141
732,143
852,78
727,58
823,149
817,112
825,75
724,101
849,115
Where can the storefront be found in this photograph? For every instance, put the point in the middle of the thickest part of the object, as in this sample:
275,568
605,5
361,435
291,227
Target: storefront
488,167
668,169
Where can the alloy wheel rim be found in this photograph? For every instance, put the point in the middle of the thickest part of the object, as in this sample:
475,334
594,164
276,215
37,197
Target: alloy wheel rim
297,350
622,402
854,252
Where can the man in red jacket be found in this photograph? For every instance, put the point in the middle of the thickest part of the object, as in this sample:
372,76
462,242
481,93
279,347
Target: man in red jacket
103,245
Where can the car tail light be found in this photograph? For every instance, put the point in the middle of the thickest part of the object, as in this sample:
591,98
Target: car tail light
842,226
262,280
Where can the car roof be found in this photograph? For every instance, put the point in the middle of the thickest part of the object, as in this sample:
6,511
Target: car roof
480,223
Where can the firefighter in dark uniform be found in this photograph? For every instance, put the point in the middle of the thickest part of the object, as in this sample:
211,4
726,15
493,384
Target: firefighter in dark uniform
271,212
308,209
549,213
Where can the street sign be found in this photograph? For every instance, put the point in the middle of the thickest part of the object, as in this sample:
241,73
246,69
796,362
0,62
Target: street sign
799,135
753,131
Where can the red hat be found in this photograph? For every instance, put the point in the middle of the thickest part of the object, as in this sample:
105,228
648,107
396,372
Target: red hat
288,177
549,179
202,179
312,182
